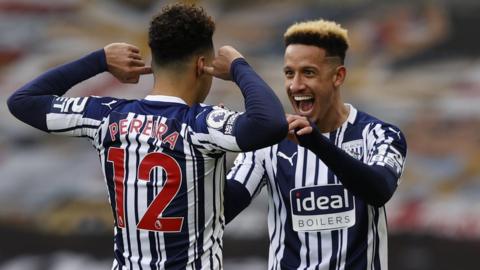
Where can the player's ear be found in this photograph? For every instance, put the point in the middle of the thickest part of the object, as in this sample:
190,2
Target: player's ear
339,76
200,64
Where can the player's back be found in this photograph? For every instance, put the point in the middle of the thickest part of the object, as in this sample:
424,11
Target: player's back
165,177
162,159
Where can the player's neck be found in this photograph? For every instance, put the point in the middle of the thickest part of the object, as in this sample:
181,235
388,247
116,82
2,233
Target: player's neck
334,118
172,85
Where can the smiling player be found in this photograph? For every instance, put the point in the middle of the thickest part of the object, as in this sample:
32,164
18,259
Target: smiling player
327,195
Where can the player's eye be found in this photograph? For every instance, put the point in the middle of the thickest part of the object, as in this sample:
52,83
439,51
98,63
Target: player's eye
309,72
288,73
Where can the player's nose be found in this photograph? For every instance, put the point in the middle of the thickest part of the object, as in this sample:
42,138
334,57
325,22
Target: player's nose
296,84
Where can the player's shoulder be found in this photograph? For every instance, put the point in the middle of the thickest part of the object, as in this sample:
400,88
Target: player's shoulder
213,109
380,130
201,108
108,102
94,107
73,105
212,117
364,119
104,105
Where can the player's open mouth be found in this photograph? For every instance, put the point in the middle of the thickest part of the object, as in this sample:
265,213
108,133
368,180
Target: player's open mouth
304,103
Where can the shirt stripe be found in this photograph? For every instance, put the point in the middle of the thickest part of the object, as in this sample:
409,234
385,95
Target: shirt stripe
288,166
170,127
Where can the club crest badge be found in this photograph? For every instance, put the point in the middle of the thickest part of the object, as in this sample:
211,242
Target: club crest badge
354,148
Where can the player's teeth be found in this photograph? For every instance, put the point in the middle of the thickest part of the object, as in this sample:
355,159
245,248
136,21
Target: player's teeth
300,98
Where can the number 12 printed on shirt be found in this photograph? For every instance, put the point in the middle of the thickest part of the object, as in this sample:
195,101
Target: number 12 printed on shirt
152,220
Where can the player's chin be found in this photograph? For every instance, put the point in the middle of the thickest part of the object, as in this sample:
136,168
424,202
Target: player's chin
311,116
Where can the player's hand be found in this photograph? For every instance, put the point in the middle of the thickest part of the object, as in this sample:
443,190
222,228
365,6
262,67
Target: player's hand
125,63
220,67
297,126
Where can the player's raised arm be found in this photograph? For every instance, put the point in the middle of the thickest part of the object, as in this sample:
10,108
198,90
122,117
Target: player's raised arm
264,114
374,182
33,101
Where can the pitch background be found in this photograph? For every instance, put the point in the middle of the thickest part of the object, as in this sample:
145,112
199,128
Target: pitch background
413,63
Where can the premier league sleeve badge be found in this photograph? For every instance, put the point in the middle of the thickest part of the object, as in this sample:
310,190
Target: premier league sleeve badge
216,118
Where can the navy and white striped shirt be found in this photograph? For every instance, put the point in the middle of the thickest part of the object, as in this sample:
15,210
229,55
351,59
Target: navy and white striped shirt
163,160
163,163
314,221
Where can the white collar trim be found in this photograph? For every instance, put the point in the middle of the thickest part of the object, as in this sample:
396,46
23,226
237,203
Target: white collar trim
165,99
352,115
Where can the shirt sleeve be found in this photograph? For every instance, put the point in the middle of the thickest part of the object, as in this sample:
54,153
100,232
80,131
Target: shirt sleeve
78,116
262,124
264,113
244,182
33,101
386,147
212,130
249,170
374,180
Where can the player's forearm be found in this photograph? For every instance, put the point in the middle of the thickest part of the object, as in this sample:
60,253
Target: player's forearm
374,184
236,198
263,115
32,101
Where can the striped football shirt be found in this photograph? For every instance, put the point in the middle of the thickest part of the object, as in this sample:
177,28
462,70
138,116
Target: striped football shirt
314,222
164,167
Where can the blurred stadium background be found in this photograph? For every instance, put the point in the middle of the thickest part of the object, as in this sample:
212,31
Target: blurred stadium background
414,63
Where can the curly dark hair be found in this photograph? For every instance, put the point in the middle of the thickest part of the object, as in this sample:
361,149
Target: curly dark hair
179,31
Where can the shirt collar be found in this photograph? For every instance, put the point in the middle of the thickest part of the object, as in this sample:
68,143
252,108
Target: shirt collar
164,98
352,115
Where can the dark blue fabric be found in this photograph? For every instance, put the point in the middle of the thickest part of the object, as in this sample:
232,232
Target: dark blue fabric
264,119
374,184
31,102
236,198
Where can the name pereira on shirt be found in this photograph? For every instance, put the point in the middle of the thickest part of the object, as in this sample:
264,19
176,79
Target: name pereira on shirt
148,127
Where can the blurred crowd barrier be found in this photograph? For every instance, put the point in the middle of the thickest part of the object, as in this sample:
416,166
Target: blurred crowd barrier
413,63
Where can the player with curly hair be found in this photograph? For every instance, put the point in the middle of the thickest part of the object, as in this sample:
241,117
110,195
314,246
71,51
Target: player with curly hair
162,156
